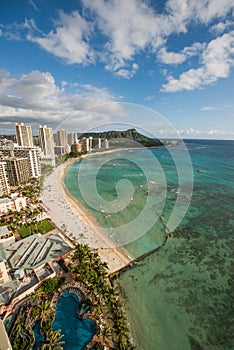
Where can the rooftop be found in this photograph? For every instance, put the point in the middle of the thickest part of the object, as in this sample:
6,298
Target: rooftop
35,250
4,231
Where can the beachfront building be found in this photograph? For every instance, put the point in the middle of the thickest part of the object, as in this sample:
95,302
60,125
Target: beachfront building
59,150
62,138
18,171
47,145
76,147
46,140
96,144
32,154
85,144
15,203
89,144
4,185
106,144
71,138
24,135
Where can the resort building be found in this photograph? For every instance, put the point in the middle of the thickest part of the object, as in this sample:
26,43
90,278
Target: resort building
14,203
76,147
46,140
24,135
96,144
5,342
62,138
28,263
18,170
6,236
59,150
32,154
4,185
106,144
85,144
71,138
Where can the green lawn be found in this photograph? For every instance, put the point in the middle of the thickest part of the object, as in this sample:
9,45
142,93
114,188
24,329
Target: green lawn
43,226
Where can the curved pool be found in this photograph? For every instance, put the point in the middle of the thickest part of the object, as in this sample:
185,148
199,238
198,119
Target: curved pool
77,332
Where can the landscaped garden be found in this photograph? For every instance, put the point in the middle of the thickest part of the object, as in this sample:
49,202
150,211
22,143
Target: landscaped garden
42,227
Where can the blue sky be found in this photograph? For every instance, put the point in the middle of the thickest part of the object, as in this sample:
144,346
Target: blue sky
80,64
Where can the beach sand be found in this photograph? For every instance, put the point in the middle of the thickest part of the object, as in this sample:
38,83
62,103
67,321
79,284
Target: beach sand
76,222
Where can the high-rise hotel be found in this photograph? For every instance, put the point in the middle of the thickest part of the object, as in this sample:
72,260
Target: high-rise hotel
22,160
46,140
24,135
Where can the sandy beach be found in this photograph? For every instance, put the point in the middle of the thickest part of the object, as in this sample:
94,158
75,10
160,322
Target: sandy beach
76,222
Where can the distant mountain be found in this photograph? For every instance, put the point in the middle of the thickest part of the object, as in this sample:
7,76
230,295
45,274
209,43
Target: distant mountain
126,138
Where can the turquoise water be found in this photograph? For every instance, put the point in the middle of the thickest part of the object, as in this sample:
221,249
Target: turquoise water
184,292
39,338
77,333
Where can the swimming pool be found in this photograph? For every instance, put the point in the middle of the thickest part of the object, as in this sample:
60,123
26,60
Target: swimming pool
77,332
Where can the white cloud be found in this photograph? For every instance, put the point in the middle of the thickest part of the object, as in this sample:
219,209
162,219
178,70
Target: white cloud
127,28
127,73
69,40
180,57
35,98
210,108
217,60
194,133
171,57
220,27
204,11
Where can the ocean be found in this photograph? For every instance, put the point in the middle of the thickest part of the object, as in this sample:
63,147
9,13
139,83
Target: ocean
180,296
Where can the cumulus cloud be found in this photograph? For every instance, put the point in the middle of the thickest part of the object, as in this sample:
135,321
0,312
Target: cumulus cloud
70,39
36,97
180,57
194,133
171,57
216,62
127,28
220,27
204,11
127,73
190,132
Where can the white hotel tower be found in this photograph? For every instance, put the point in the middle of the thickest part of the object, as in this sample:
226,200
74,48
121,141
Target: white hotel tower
47,141
24,135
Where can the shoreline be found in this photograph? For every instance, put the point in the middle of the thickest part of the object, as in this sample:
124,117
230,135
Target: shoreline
69,215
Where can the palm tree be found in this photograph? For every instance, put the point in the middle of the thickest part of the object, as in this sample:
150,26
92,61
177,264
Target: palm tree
45,310
53,340
19,324
107,334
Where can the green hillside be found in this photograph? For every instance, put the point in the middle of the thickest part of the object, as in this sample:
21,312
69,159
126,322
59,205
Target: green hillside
124,138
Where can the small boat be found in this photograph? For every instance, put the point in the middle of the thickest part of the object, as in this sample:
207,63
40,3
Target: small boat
199,171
